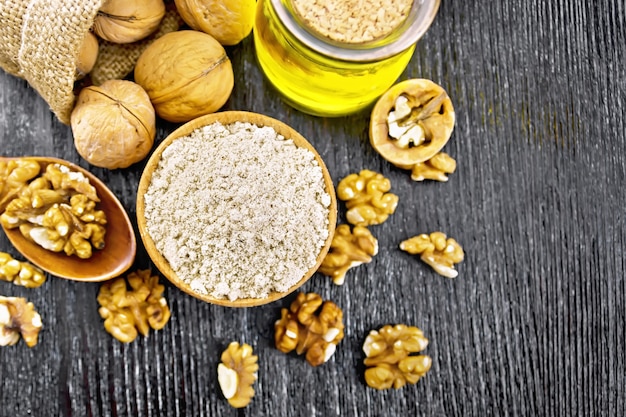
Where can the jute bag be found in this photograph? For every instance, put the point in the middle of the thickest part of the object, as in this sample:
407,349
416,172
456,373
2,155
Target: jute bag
40,40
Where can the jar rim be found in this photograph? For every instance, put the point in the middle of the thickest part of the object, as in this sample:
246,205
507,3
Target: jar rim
419,19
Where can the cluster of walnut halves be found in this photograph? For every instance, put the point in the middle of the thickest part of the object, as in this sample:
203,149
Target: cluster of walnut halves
310,325
56,210
237,373
369,203
126,312
389,356
438,251
20,273
18,318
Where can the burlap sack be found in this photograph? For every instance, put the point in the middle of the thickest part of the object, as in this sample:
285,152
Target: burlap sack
40,40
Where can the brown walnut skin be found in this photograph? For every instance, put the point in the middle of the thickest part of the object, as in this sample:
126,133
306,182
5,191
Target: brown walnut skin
440,123
127,21
114,125
187,74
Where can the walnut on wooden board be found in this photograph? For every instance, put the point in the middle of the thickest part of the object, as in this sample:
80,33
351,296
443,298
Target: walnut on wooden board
15,175
18,317
411,122
237,373
129,311
58,212
438,251
390,356
367,198
310,325
348,249
20,273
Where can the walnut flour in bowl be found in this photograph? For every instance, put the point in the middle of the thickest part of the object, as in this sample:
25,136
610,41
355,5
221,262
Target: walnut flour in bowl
236,208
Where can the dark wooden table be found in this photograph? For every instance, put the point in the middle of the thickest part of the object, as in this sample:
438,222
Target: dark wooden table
533,325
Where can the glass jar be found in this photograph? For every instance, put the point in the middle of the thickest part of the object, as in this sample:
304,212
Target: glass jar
324,77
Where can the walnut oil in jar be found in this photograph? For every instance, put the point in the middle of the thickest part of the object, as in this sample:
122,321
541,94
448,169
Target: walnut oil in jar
329,66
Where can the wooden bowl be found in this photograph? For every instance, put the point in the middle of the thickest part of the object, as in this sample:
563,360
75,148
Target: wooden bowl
226,118
120,242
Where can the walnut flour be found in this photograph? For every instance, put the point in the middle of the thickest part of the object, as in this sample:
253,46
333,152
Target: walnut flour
353,21
237,210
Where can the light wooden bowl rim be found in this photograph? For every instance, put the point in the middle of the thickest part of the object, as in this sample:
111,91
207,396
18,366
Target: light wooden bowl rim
229,117
120,242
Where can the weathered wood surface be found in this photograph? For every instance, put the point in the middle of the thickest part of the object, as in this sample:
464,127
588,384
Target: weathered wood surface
533,325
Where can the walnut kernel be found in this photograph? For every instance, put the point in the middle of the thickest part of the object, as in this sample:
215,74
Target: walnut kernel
129,311
348,250
435,168
310,325
388,356
18,318
20,273
436,250
14,175
236,374
366,197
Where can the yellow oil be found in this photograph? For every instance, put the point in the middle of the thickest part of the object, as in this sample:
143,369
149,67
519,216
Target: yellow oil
314,83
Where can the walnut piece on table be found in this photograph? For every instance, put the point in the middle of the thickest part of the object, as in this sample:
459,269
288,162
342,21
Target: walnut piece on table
310,325
438,251
20,273
390,359
127,312
367,198
348,249
435,168
18,317
237,373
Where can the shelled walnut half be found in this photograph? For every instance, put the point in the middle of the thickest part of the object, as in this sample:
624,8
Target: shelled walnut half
436,250
20,273
237,373
310,325
348,249
57,210
389,356
128,311
15,175
367,198
18,318
411,123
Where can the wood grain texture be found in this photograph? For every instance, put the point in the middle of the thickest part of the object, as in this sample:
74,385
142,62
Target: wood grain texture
535,322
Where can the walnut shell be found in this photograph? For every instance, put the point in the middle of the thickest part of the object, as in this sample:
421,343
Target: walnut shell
114,124
229,22
428,108
126,21
187,74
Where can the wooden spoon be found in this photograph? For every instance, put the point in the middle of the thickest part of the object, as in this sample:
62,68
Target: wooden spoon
110,262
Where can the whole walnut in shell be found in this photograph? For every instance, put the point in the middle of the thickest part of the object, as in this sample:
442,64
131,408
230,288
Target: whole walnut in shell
227,21
87,55
187,74
126,21
114,125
